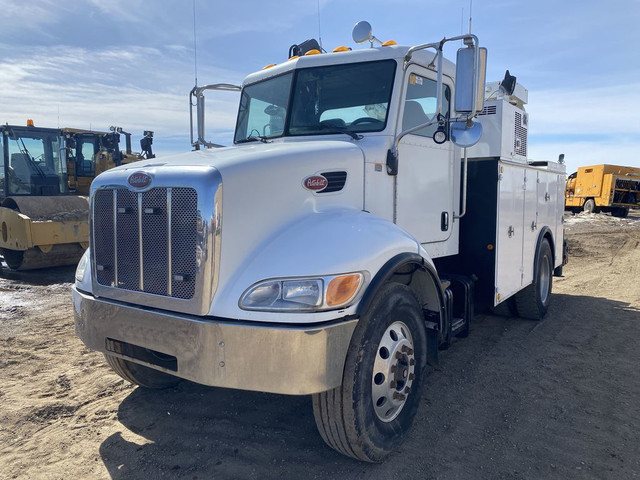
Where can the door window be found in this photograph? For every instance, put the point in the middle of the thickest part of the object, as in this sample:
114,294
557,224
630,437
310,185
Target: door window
420,104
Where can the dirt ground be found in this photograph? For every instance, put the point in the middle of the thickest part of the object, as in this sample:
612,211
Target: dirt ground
517,399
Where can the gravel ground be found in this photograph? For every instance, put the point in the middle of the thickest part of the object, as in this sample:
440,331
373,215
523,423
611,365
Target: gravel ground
517,399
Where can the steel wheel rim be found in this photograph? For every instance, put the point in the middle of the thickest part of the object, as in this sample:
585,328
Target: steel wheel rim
545,280
393,372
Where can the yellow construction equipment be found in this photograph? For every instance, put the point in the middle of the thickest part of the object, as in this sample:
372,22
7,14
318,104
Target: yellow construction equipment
45,177
603,188
90,153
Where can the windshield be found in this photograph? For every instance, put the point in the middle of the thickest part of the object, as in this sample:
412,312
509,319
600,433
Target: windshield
346,98
34,163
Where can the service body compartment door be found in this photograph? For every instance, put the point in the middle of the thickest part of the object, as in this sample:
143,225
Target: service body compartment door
533,191
510,232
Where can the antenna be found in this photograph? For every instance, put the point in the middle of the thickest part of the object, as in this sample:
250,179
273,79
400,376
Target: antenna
470,9
319,31
195,45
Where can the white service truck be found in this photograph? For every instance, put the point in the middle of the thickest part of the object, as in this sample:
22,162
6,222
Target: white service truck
347,235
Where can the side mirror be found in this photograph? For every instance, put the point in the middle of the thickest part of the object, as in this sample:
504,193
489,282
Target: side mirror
470,80
466,134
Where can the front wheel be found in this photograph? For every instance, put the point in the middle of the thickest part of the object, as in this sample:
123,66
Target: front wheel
370,414
533,301
589,206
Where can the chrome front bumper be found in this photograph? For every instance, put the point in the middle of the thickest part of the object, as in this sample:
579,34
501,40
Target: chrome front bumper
278,359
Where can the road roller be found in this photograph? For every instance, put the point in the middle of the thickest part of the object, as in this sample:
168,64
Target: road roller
41,223
45,177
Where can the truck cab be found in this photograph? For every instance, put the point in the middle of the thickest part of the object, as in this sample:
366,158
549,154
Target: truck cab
319,254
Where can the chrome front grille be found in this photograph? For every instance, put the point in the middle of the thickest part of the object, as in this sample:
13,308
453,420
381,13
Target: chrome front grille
146,241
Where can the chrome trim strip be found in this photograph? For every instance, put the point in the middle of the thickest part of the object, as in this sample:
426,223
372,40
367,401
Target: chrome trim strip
293,360
140,247
169,245
115,238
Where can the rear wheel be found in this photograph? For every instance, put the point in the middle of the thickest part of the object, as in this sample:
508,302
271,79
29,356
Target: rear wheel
533,301
370,414
620,212
139,374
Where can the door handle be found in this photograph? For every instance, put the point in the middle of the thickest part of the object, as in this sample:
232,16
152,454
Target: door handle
444,221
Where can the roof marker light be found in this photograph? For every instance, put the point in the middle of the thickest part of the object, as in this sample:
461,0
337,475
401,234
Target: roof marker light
389,43
315,51
269,66
341,48
29,122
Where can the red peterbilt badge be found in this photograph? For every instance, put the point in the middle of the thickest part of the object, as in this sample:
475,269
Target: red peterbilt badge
139,180
315,183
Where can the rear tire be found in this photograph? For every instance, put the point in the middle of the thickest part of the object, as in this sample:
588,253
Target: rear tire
13,258
370,414
533,301
620,212
139,374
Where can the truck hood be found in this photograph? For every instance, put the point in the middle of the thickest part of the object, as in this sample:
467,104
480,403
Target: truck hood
273,154
264,192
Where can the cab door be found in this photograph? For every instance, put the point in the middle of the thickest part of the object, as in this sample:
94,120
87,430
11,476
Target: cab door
425,181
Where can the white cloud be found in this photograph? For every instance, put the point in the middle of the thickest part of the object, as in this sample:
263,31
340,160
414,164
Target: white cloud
76,87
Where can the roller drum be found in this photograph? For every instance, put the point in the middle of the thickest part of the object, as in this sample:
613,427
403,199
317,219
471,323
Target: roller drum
55,223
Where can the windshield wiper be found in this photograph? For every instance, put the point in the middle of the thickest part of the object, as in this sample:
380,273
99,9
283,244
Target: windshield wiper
30,159
338,129
254,138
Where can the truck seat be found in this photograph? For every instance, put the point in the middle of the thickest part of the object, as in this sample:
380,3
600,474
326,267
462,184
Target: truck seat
413,115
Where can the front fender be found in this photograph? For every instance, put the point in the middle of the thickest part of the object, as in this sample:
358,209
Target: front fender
332,241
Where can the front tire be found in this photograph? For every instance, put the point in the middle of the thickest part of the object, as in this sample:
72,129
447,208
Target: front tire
370,414
533,301
139,374
589,206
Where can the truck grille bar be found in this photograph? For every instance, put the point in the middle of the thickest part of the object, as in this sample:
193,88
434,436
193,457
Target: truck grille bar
146,241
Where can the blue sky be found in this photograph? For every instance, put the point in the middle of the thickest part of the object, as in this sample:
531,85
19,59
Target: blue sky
90,63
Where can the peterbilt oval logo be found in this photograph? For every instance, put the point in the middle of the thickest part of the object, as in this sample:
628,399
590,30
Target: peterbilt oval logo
315,183
139,180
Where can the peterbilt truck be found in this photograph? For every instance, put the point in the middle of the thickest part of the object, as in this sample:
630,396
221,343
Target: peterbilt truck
349,233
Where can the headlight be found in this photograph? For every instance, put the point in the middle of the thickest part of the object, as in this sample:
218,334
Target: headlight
82,267
303,294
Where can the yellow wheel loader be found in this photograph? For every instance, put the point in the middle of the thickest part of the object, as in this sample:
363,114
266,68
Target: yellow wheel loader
44,178
90,153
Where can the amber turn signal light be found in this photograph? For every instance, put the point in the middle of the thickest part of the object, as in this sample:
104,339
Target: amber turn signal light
342,289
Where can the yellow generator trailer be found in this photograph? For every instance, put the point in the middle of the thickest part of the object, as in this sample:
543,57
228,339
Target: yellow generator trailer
603,188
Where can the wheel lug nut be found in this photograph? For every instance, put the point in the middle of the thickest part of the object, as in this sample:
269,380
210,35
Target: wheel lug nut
393,384
393,369
412,362
407,390
412,376
398,396
409,351
398,355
